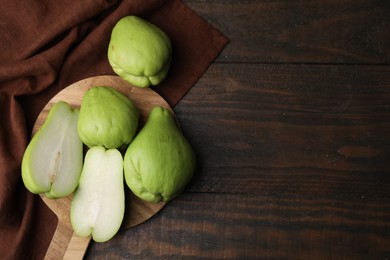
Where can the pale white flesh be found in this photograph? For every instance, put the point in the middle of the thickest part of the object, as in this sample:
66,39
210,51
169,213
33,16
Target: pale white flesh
98,204
53,160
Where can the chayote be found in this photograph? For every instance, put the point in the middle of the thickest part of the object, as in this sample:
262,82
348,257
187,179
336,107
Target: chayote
107,118
53,160
139,52
98,204
159,162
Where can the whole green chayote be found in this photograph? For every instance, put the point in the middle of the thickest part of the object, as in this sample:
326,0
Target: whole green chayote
159,162
107,118
139,52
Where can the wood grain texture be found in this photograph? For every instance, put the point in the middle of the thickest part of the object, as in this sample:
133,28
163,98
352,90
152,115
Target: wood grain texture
226,226
293,164
291,129
309,31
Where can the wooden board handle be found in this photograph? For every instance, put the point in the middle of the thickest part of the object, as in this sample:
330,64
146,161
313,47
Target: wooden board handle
77,247
59,243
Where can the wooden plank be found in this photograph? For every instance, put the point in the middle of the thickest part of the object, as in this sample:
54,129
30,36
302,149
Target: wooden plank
226,226
348,31
290,129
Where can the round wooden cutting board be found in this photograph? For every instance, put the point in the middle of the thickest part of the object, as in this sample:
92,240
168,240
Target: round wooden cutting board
65,244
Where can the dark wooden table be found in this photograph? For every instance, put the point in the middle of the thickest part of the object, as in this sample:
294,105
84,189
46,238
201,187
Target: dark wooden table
291,126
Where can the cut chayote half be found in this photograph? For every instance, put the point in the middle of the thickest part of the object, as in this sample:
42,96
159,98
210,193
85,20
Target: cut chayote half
107,118
98,204
53,160
139,52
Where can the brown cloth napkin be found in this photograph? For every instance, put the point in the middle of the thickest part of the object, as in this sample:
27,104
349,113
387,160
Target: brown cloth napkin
47,45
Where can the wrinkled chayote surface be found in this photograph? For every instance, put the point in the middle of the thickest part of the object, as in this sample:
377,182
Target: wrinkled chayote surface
107,118
159,162
139,52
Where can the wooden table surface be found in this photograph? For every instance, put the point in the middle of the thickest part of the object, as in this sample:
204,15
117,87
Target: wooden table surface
291,126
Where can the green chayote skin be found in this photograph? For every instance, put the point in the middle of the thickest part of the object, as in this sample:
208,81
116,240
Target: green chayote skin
159,162
107,118
139,52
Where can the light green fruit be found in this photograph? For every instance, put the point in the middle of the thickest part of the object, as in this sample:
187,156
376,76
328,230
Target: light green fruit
160,162
98,204
53,160
107,118
139,52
